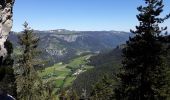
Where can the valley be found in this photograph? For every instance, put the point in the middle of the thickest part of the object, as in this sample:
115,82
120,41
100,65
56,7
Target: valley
63,74
62,45
70,50
76,59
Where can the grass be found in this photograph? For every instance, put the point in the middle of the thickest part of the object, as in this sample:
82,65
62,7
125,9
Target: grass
62,73
69,81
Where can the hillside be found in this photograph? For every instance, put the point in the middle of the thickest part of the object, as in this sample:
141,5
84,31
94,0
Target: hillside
62,45
63,74
104,63
70,55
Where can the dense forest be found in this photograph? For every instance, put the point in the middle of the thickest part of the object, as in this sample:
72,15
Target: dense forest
138,69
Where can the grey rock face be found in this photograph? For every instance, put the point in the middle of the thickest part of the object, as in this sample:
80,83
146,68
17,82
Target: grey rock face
5,23
68,38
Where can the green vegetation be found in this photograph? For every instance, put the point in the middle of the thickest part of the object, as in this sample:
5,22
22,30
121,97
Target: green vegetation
63,74
103,90
104,64
57,73
144,75
138,70
29,84
57,47
7,77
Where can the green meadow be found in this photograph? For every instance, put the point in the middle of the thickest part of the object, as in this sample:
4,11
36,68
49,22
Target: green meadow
63,74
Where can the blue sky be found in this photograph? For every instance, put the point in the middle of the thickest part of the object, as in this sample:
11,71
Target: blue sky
82,15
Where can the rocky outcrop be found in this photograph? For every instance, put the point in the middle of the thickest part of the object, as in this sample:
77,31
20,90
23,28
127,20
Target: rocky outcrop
5,23
68,38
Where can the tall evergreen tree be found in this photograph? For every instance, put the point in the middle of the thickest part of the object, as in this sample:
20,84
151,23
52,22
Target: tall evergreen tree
29,84
143,75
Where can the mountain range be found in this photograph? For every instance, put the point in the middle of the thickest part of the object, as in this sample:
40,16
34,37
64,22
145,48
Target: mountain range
61,45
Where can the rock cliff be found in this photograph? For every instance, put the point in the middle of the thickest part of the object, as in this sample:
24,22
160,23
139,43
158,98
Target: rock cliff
5,23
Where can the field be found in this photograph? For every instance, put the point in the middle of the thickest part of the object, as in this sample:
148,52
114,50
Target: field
63,74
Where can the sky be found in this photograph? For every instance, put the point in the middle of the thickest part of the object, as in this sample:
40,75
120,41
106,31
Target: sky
80,15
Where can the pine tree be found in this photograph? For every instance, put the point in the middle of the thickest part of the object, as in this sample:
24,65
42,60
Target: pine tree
7,77
144,74
103,90
29,84
73,95
49,88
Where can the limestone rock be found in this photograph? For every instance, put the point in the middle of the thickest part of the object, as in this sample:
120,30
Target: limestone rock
5,23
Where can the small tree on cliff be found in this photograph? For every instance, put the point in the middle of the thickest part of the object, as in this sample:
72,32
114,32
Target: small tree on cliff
143,75
7,77
29,84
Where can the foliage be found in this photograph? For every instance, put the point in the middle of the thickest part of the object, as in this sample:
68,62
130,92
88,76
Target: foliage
29,84
144,72
7,78
104,63
103,90
68,95
63,74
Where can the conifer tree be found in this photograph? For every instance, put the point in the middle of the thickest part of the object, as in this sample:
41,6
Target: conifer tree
103,90
144,73
49,88
68,94
29,84
72,95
